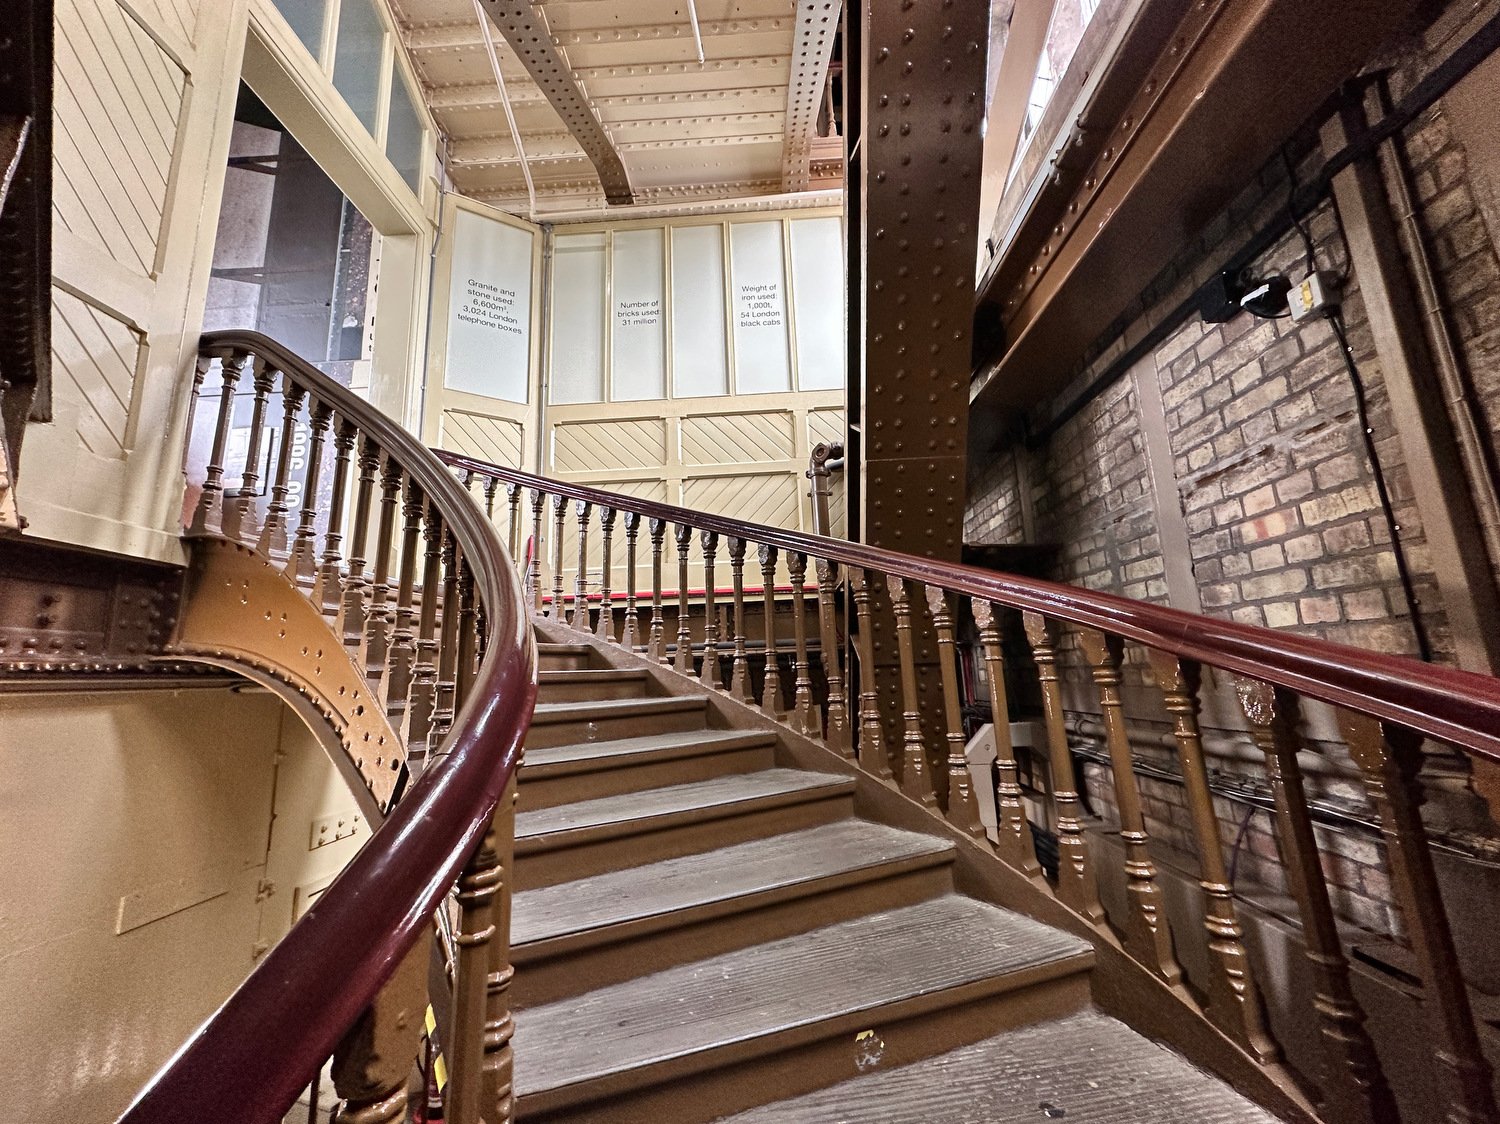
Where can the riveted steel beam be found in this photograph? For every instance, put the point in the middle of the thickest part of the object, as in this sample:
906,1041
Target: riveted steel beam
525,29
812,49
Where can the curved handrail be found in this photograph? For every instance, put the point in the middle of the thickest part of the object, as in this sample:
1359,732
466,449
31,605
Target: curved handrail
297,1004
1458,707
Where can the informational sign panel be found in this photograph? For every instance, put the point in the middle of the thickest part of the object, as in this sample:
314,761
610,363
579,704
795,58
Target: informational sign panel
758,280
700,360
638,346
489,309
818,296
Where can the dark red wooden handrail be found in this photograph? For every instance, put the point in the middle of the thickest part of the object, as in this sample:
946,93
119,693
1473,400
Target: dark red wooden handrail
250,1059
1457,707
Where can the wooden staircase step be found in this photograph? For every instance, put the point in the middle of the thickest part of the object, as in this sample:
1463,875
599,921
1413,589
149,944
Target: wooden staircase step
594,836
591,684
727,1033
562,723
561,774
564,657
1087,1067
581,935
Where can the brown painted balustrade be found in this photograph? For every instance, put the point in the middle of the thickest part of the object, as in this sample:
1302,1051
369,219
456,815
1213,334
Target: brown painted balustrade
1385,705
417,584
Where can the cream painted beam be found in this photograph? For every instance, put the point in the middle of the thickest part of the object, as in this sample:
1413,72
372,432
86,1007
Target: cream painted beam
481,95
459,36
555,145
812,48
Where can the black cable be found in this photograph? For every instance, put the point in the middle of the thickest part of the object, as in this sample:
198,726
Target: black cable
1361,405
1292,212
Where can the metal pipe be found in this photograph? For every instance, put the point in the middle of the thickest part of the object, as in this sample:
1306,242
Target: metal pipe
510,117
697,35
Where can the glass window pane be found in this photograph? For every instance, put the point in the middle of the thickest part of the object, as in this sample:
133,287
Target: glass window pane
818,296
489,311
638,352
762,363
306,18
578,318
356,58
404,134
700,361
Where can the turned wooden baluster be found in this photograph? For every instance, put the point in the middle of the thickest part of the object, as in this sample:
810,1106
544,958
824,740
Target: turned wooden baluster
1014,841
581,578
1390,760
239,507
397,680
963,811
478,886
632,532
873,757
534,567
828,635
605,629
1147,933
1234,1004
804,717
559,517
499,1026
770,695
739,671
327,587
372,1062
684,633
656,648
709,540
376,635
351,619
447,676
421,696
1076,887
916,779
207,515
273,536
491,486
301,565
513,524
1354,1086
468,636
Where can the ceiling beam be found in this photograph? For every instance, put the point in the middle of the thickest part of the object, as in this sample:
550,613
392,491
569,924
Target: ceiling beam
458,36
812,48
525,29
482,95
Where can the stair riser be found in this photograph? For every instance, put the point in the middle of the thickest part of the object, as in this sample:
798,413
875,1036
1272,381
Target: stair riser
642,844
573,966
607,728
556,692
704,1087
564,661
548,792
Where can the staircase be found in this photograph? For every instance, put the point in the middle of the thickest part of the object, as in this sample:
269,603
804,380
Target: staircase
711,925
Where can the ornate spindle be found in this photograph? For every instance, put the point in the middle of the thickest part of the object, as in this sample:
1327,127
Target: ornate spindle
1234,1004
397,680
873,757
1390,760
710,676
376,636
770,695
559,517
1147,933
1014,842
916,779
534,566
447,675
499,1026
351,622
513,525
656,648
206,514
422,693
828,633
273,536
632,532
1075,874
478,886
963,811
739,672
326,589
581,579
238,520
684,633
468,636
301,565
804,717
372,1063
1353,1084
491,486
605,629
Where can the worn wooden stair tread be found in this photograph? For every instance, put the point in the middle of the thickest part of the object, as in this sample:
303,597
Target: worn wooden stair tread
560,760
593,675
616,708
1086,1067
683,803
794,864
774,996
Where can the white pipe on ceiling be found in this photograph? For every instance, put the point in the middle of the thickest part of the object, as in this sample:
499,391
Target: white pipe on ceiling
697,36
510,117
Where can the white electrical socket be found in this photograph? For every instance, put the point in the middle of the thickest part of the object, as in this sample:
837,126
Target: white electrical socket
1315,293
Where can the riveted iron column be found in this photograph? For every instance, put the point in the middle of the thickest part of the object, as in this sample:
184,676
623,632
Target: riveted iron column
921,73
